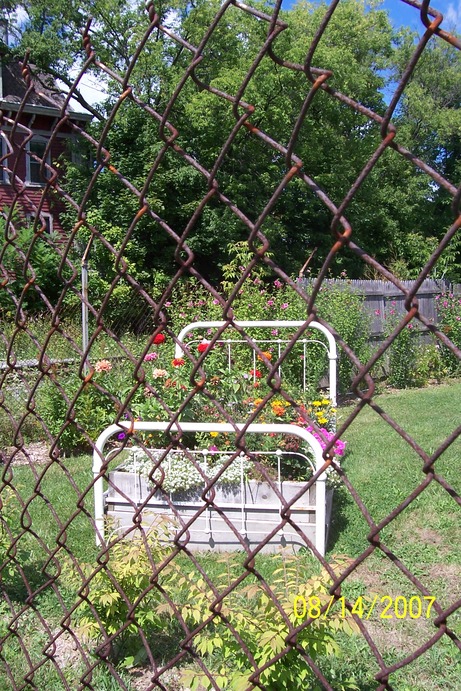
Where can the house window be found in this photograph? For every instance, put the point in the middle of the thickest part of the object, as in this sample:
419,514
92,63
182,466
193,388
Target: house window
44,219
4,162
36,153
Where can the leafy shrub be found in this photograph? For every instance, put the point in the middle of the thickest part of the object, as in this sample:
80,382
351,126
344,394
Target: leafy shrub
95,408
255,618
342,307
29,256
117,586
144,610
449,320
429,364
401,353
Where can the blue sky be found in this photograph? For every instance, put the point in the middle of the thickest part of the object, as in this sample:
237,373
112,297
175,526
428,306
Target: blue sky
403,14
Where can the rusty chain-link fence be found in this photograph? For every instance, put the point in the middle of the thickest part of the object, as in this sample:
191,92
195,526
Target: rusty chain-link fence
139,607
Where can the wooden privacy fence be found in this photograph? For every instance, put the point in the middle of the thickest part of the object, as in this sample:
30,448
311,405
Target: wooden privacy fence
383,297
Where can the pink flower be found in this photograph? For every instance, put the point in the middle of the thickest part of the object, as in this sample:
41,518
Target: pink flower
278,284
150,356
270,303
274,332
157,373
103,366
377,312
284,306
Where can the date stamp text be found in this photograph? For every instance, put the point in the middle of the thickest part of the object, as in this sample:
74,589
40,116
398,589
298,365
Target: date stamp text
385,607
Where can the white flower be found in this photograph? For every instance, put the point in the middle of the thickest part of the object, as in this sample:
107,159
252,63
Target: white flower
180,473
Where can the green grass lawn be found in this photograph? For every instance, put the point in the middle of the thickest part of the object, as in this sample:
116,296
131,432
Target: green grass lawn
425,537
380,465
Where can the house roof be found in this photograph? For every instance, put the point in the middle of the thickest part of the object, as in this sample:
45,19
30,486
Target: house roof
45,98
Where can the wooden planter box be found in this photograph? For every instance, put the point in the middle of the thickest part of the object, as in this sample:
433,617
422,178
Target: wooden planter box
233,522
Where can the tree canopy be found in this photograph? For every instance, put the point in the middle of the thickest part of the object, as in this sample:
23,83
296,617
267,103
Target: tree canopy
398,215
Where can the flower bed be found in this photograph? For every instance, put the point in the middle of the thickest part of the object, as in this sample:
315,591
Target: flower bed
228,509
238,516
238,373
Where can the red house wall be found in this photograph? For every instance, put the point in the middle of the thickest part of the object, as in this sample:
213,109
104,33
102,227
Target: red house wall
26,197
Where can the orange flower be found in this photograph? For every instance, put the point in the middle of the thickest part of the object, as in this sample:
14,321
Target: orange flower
278,409
266,354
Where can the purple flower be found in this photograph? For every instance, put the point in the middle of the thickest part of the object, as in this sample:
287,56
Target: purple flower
121,436
213,448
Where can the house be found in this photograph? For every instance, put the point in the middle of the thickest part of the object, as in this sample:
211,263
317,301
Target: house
37,129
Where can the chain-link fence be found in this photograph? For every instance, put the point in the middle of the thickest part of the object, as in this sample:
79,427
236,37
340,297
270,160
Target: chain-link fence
112,592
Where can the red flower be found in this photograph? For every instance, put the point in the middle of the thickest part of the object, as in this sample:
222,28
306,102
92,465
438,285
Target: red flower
178,362
159,338
204,345
255,373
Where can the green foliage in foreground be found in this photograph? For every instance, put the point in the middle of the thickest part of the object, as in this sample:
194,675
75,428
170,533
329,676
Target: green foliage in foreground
247,615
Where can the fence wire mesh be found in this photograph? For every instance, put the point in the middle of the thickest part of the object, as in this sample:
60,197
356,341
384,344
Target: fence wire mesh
178,618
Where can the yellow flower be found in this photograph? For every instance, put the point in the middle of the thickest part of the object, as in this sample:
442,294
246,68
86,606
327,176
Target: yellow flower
325,401
316,403
214,434
322,420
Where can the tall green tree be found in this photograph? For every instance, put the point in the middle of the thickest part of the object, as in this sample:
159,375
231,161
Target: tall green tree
394,207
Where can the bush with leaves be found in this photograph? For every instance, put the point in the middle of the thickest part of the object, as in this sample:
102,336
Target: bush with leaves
123,597
250,615
401,353
449,320
78,423
29,256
